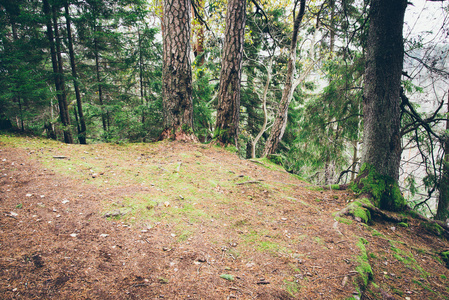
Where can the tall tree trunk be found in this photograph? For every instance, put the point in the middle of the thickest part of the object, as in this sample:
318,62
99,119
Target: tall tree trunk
177,72
264,107
82,122
62,101
381,104
15,37
228,111
142,86
280,123
100,87
443,197
354,160
65,117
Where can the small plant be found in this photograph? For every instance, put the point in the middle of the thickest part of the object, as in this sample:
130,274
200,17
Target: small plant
228,277
403,224
19,206
292,287
163,280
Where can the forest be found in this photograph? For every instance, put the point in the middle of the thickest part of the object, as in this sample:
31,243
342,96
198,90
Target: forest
335,91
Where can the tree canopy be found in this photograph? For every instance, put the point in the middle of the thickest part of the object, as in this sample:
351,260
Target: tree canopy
321,87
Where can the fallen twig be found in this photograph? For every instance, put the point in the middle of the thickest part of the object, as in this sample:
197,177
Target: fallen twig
247,182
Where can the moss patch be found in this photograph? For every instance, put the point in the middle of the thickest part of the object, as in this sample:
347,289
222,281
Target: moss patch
364,268
445,257
384,189
433,228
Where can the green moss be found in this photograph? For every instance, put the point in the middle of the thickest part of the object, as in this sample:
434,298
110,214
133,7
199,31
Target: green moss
364,268
344,220
377,233
357,210
433,228
292,287
445,257
187,129
314,188
269,164
335,187
362,213
398,292
384,189
443,276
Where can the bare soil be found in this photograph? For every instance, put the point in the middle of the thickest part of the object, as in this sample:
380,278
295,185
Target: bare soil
176,220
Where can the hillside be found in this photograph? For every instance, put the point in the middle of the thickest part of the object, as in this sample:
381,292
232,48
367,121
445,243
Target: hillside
189,221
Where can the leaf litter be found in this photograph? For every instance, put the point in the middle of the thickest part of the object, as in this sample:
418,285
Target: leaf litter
171,220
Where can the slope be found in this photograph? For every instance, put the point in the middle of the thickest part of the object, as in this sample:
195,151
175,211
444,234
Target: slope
189,221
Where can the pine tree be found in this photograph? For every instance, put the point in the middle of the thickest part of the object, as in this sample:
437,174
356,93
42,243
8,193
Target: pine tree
177,72
228,111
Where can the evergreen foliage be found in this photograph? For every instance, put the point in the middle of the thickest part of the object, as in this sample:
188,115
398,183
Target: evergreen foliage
117,51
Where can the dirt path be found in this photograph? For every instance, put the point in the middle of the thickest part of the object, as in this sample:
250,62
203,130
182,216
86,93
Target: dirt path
253,233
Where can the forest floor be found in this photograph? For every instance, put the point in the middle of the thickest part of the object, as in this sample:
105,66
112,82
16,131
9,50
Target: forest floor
173,220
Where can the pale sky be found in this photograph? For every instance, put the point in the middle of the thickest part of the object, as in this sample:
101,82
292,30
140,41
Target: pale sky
427,19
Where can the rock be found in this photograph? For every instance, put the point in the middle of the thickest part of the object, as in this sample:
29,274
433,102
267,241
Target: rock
117,212
104,235
345,280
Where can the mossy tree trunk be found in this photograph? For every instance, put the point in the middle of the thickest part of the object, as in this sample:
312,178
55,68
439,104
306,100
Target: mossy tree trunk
382,149
381,105
177,72
228,110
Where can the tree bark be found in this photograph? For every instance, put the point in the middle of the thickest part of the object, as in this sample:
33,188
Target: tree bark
142,86
100,87
381,104
177,72
443,197
280,123
62,101
65,117
15,37
228,110
82,128
264,107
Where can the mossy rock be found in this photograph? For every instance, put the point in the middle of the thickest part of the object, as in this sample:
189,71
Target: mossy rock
383,189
